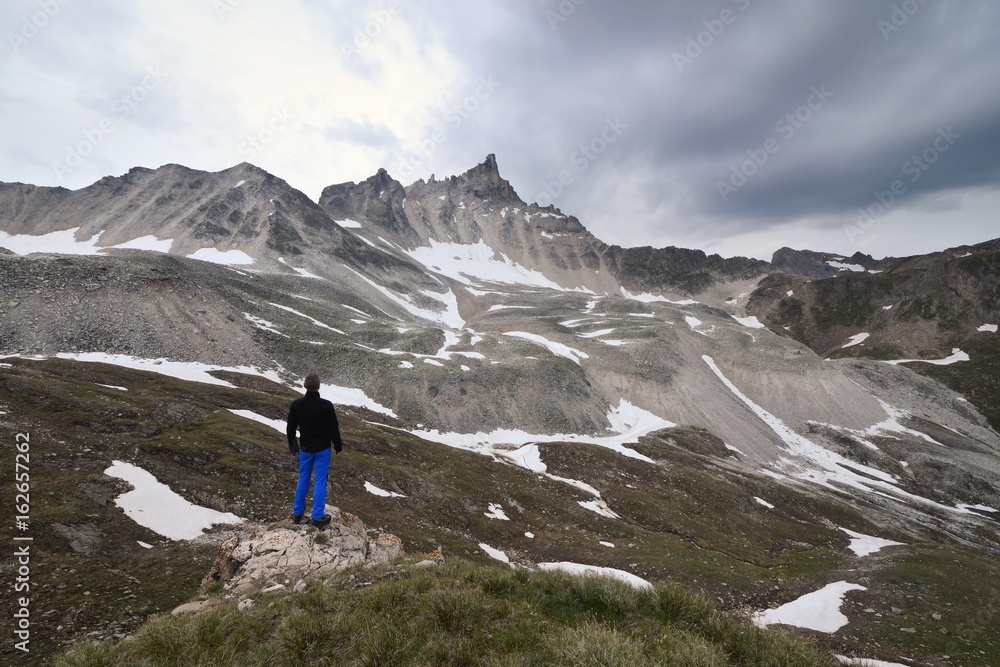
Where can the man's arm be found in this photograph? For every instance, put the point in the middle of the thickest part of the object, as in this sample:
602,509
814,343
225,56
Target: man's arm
293,425
338,443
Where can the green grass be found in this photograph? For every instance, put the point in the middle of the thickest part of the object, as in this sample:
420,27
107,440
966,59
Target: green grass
459,613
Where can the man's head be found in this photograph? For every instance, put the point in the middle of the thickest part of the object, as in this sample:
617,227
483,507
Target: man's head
311,383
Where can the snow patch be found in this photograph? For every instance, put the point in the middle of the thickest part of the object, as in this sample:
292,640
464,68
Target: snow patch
263,324
306,274
348,223
450,317
555,348
956,356
751,322
595,334
856,339
495,511
827,468
863,545
867,662
371,488
304,316
599,506
154,505
991,328
733,449
596,571
761,501
977,508
62,242
353,397
840,266
192,371
627,421
495,554
465,262
224,257
652,298
279,425
819,610
149,242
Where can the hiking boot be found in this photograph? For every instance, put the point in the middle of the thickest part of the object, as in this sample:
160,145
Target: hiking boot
322,523
296,518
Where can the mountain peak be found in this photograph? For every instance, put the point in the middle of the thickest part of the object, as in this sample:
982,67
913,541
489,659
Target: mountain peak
485,181
487,169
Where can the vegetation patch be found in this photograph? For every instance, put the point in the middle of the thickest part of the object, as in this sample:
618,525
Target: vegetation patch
459,613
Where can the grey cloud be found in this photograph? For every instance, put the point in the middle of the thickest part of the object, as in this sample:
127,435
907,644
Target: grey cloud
892,89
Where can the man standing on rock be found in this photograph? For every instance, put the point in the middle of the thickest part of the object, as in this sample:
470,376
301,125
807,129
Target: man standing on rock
316,421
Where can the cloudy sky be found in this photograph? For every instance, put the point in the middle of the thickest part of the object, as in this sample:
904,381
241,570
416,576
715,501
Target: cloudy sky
735,126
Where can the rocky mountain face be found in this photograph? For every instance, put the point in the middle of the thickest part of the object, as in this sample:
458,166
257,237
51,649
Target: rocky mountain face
479,206
451,320
825,265
924,307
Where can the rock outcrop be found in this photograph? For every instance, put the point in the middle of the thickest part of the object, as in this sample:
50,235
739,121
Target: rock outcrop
293,556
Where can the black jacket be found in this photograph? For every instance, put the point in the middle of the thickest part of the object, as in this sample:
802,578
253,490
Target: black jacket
316,421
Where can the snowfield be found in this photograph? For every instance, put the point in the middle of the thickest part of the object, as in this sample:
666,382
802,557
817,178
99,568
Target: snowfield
819,610
154,505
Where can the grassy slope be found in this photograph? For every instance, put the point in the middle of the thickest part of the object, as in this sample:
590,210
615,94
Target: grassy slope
460,613
688,520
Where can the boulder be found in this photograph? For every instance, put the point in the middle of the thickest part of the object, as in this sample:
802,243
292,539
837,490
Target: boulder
280,557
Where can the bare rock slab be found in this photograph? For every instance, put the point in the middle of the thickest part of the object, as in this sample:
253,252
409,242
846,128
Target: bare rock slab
281,557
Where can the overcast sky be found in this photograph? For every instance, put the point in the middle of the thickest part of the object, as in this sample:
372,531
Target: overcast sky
734,126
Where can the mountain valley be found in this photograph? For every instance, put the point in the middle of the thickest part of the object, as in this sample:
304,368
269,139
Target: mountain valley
729,424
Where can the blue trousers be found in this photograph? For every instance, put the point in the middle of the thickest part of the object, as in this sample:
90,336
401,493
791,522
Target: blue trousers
309,462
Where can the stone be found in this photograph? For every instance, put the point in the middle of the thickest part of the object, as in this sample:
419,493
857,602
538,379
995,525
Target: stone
298,553
244,605
196,607
187,608
300,586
